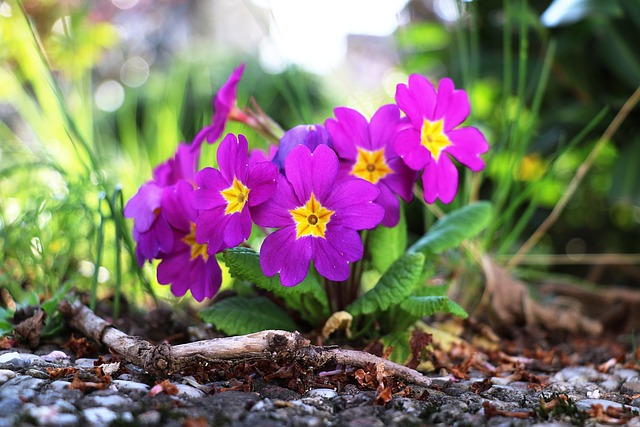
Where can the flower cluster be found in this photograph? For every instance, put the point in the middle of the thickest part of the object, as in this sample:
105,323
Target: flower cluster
312,195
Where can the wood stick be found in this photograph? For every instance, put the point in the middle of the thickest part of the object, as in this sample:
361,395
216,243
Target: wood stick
164,360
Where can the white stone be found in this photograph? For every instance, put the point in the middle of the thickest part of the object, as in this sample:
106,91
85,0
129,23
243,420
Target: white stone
55,355
98,417
59,385
6,357
188,391
49,415
128,386
325,393
6,375
85,363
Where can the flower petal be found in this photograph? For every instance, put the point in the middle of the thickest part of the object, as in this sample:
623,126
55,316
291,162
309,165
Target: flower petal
233,157
210,228
238,228
353,206
452,105
468,144
332,255
312,172
282,253
402,180
275,212
407,145
440,181
348,131
205,278
389,201
176,206
417,100
142,205
384,124
261,181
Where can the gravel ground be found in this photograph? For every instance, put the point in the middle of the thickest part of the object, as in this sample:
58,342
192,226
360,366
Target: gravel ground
52,388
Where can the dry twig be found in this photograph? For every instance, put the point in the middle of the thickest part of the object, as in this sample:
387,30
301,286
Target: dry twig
164,359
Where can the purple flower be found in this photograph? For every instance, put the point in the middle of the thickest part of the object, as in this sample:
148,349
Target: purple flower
317,217
308,135
365,151
188,266
226,196
432,137
150,228
225,108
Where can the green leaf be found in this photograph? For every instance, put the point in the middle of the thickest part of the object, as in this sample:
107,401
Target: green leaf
455,227
422,306
393,287
51,305
400,341
387,244
244,263
240,315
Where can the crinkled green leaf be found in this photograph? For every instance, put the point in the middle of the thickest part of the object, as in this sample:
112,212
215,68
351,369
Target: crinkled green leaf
387,244
240,315
400,341
244,263
455,227
395,285
422,306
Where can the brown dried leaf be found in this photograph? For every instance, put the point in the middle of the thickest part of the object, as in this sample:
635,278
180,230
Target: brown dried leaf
165,387
84,386
30,328
383,397
57,373
491,411
6,343
79,346
340,320
418,343
510,305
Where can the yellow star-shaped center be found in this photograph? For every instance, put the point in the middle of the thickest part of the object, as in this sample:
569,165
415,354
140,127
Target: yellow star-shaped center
371,165
311,219
197,249
433,137
236,197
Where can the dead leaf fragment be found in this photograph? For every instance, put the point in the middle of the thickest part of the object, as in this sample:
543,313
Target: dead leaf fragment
165,387
340,320
510,305
30,328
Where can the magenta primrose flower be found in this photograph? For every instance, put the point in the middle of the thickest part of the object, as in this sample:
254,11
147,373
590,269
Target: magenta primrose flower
225,108
150,227
365,151
432,137
188,265
226,197
317,218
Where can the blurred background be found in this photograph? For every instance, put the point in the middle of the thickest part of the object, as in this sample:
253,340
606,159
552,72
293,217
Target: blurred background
94,94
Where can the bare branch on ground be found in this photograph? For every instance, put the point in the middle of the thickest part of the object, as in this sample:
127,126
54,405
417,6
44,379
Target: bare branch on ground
164,359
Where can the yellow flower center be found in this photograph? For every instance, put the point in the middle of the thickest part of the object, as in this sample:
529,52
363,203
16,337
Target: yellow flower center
197,249
311,219
371,165
236,197
434,138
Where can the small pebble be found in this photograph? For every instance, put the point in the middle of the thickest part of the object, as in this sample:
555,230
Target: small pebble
325,393
6,375
188,391
98,417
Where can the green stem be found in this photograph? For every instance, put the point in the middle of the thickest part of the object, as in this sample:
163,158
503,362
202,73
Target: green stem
99,248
